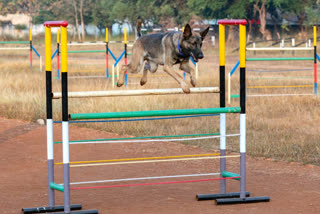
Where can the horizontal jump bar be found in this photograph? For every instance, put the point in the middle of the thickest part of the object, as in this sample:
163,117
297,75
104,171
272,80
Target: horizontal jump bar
14,48
278,49
82,94
145,178
281,86
55,24
171,112
14,42
279,59
233,22
88,51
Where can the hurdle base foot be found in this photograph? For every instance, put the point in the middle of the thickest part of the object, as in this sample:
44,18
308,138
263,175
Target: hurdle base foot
80,212
226,201
220,195
58,208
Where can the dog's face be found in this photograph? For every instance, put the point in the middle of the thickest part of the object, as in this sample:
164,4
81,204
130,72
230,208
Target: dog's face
192,42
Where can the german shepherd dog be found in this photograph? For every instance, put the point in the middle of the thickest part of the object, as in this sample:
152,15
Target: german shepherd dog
166,49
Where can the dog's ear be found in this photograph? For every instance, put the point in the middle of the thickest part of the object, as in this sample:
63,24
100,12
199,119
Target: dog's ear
187,31
204,33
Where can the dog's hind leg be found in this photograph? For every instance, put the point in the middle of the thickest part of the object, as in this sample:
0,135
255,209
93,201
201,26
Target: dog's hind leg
149,66
135,64
187,68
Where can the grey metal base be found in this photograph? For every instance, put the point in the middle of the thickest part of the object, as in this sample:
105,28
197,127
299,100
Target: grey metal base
226,201
81,212
217,196
50,209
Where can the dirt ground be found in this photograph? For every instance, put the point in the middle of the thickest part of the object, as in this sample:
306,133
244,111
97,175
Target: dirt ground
292,187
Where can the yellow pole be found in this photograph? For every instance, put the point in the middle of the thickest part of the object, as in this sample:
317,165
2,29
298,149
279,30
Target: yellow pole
30,34
107,35
64,60
125,35
222,45
314,35
48,48
242,43
58,40
182,29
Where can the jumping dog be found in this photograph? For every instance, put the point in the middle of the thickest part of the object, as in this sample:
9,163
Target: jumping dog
166,49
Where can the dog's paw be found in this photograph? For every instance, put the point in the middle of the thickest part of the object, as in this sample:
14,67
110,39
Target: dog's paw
185,88
143,82
119,84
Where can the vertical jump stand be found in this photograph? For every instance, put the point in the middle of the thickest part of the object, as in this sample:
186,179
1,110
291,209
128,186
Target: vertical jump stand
235,197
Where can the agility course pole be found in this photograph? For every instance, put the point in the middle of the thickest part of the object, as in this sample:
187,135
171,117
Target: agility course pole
125,58
30,35
222,105
80,94
315,60
107,53
223,197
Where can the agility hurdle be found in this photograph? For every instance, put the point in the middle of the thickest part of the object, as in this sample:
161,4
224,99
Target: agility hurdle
65,188
314,59
30,48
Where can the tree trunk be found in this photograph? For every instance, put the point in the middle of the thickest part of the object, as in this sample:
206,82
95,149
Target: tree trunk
263,21
230,35
76,18
249,31
82,21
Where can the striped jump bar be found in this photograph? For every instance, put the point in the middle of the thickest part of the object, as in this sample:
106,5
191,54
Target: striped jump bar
172,112
82,94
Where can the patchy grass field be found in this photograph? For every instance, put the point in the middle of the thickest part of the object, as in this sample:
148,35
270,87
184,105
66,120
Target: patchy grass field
281,128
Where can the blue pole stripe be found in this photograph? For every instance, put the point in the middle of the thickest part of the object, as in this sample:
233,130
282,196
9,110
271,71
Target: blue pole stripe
54,54
318,57
234,68
115,58
35,51
118,60
141,119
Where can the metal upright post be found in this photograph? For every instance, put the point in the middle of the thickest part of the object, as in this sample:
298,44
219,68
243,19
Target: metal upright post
30,35
315,61
50,160
107,53
125,56
222,105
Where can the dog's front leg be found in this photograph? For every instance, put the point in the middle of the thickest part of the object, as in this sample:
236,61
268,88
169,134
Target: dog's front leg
167,68
187,68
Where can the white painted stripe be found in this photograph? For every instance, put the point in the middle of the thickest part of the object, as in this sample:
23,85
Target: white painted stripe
65,141
144,178
155,140
49,139
223,131
278,49
242,133
14,48
79,94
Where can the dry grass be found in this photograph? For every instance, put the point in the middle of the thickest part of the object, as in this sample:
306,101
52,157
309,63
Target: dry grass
282,128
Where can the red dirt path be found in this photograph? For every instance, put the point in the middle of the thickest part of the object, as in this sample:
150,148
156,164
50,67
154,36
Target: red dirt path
293,188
